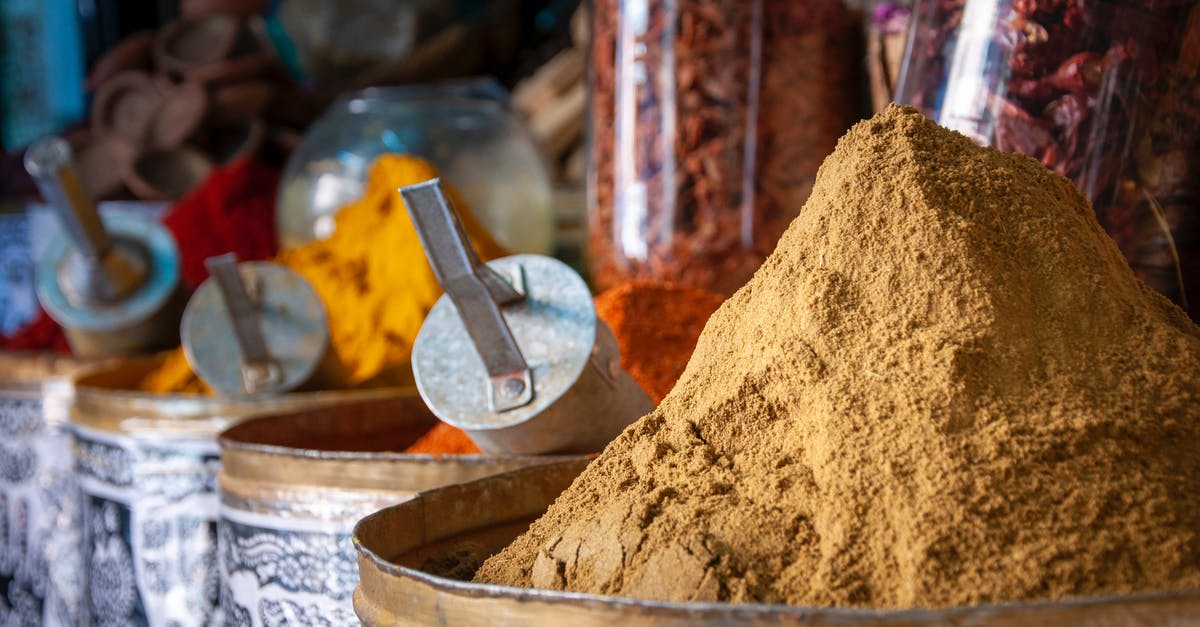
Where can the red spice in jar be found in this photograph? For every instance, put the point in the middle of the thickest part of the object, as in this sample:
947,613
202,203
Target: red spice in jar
709,120
656,327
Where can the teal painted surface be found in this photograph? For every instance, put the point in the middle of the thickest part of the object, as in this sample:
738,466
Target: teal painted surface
41,69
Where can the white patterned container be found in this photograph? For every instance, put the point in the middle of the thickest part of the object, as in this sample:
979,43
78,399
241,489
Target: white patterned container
292,488
147,466
39,498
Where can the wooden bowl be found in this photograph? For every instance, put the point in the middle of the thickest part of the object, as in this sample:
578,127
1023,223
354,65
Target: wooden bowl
124,105
101,161
236,139
133,53
169,174
240,8
243,101
193,42
245,67
181,114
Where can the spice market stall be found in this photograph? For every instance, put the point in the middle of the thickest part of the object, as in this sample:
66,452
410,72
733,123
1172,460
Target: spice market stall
938,366
895,405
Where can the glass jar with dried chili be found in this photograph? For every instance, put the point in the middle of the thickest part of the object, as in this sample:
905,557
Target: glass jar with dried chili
1105,92
708,122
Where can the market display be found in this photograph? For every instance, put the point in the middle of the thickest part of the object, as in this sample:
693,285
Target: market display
680,338
355,272
945,387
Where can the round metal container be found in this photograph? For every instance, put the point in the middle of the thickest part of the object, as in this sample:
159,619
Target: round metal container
399,547
293,486
147,466
39,498
146,320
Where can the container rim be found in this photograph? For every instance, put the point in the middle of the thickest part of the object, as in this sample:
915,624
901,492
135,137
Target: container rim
734,610
236,439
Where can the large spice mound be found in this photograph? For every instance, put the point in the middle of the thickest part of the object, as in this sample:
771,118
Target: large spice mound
944,387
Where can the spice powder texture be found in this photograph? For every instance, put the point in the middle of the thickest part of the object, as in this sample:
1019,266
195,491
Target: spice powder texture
945,387
656,327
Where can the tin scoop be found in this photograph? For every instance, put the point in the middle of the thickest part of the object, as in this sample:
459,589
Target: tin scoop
513,353
254,328
112,283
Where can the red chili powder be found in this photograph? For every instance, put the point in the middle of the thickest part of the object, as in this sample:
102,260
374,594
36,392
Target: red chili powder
233,210
657,327
444,440
41,333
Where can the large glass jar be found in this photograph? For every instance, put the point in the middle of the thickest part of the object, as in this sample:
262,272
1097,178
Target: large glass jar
708,122
1105,92
465,129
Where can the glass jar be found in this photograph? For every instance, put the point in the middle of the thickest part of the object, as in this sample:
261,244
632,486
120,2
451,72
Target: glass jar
708,122
1105,92
465,129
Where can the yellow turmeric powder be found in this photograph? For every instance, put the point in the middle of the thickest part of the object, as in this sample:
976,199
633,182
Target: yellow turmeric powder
374,279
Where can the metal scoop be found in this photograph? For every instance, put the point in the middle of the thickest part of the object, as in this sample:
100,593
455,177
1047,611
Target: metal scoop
112,283
254,328
514,354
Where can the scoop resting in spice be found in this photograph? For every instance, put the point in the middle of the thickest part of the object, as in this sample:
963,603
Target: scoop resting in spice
944,387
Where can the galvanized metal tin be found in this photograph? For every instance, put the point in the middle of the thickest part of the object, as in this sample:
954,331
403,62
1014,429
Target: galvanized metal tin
147,466
146,320
292,487
479,518
581,397
39,498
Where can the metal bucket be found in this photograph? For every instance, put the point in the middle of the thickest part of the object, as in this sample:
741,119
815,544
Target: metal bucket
293,486
39,499
147,466
399,547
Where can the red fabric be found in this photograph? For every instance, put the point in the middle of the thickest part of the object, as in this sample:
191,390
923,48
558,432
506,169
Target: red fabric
41,333
233,210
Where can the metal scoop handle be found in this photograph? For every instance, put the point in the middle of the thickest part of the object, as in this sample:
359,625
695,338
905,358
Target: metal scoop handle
259,371
106,277
49,163
476,290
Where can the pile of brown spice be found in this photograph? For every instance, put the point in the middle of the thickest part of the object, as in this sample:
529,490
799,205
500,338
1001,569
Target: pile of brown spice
945,387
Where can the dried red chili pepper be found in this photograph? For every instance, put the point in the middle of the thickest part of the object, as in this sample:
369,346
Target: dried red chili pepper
1105,92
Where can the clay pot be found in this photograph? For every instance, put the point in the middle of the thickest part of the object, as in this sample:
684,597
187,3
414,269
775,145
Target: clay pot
133,53
166,174
193,42
237,140
101,161
240,8
254,65
179,117
244,100
124,105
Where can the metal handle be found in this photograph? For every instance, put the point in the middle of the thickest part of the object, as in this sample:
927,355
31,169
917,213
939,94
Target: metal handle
259,371
106,277
49,163
476,290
